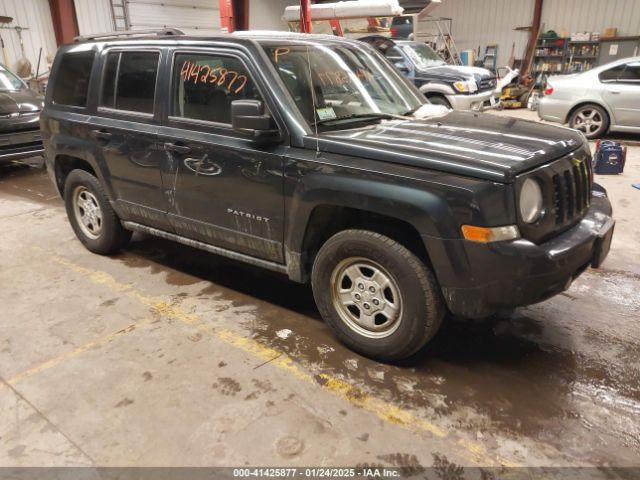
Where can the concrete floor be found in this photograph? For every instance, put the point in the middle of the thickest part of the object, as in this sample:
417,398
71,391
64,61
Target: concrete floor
164,355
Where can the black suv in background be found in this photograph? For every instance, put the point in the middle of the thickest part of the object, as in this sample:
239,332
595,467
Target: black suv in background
19,118
312,156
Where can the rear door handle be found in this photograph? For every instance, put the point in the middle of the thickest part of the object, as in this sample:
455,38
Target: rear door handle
100,134
615,92
175,147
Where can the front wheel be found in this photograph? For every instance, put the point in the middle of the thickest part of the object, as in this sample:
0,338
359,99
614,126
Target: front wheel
592,120
376,295
439,100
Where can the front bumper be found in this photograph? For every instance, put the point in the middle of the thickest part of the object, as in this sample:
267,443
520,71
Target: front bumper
20,144
470,102
481,279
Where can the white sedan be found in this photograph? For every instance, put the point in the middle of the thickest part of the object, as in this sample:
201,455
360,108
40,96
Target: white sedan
606,98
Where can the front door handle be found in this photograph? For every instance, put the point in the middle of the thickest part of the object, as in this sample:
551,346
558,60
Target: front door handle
615,92
176,147
100,135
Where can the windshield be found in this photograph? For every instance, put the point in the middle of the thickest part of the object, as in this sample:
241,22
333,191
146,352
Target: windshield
423,55
9,82
343,81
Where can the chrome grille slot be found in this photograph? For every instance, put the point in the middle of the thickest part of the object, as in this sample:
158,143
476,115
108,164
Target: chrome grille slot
572,192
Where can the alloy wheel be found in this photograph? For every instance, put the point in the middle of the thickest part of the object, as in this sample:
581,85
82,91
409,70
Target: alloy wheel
366,297
88,212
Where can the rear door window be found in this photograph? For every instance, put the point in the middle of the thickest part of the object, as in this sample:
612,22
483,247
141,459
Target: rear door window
631,74
204,85
72,79
129,81
612,74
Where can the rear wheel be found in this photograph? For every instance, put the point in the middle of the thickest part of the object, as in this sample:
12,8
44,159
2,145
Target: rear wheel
376,295
592,120
93,220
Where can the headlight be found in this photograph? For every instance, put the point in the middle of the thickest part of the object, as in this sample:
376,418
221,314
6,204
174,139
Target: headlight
468,86
530,202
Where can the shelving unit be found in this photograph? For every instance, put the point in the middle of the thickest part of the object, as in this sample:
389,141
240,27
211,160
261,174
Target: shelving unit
557,56
581,55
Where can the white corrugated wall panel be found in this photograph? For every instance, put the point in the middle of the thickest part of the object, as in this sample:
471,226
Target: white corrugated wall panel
267,14
94,16
36,16
190,16
484,22
569,16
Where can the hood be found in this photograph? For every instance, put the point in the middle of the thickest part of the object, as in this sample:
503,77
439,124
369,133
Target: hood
453,73
21,101
471,144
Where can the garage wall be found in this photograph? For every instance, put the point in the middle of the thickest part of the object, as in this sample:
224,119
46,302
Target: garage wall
592,16
190,16
94,16
32,14
267,14
482,22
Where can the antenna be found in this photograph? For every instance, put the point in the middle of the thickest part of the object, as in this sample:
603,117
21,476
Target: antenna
313,101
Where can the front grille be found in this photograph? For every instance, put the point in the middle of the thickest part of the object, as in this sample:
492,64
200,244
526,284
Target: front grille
566,187
572,192
5,149
487,84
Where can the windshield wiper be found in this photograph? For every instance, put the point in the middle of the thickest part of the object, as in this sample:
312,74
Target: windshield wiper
357,116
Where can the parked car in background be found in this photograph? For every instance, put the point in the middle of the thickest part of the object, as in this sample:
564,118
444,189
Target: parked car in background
604,99
19,118
456,87
298,153
402,27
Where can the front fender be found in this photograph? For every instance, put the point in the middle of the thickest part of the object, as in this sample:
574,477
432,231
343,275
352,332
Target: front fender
433,87
424,210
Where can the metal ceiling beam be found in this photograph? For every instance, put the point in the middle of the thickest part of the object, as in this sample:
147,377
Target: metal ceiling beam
305,16
234,15
65,23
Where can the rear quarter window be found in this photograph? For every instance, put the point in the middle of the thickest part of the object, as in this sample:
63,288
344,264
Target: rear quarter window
72,78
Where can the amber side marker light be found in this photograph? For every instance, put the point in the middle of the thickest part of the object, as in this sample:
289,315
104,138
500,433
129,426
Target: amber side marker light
490,234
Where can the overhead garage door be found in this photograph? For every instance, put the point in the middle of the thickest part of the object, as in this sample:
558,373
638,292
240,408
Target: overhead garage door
190,16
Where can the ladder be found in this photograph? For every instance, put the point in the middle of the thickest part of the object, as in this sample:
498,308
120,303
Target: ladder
120,15
490,57
439,35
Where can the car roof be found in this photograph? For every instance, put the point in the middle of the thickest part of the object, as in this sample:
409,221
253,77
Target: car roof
290,37
613,64
239,37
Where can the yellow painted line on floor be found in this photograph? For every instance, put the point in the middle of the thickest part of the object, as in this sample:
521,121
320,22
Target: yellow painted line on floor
77,351
386,411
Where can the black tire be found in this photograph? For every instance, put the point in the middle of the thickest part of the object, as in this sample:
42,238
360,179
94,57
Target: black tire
422,306
577,120
110,236
439,100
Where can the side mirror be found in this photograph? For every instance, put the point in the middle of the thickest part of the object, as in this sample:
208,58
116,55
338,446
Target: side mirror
402,67
247,116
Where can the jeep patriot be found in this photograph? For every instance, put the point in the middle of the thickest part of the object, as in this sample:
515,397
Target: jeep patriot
312,156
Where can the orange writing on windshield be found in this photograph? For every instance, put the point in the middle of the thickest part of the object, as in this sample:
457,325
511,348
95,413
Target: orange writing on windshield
278,52
231,80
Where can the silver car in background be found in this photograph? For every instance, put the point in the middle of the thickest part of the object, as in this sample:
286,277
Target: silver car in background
606,98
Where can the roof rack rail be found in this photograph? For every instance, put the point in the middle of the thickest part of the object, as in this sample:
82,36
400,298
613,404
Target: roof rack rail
160,32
